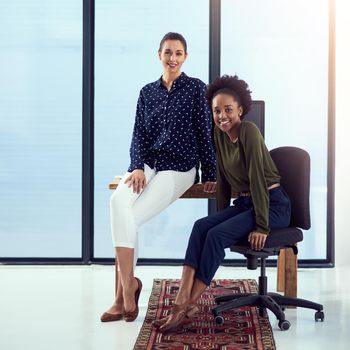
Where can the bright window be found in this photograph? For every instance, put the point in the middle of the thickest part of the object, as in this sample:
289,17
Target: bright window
40,129
281,49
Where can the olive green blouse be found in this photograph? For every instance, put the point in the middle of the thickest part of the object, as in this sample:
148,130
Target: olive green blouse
245,166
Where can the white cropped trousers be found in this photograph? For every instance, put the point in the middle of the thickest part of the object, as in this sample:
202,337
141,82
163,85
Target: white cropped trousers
130,210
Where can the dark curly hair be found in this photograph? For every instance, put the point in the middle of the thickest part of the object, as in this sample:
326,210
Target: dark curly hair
173,36
233,86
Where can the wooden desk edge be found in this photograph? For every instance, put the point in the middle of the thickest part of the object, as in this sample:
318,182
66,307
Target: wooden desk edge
196,190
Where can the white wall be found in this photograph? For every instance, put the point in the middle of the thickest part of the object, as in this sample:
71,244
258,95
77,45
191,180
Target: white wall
342,153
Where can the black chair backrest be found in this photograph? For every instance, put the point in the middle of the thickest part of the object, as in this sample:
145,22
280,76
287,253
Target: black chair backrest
256,115
293,165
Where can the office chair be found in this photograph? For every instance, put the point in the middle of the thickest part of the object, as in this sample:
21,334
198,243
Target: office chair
293,165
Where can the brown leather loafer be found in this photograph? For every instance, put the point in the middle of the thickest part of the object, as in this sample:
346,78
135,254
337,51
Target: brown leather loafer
107,317
130,316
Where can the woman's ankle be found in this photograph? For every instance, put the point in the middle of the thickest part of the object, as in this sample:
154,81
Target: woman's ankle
130,284
119,300
181,300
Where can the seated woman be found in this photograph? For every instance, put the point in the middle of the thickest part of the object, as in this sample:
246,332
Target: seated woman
245,166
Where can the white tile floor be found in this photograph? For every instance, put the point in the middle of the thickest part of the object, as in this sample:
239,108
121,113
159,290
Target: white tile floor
58,307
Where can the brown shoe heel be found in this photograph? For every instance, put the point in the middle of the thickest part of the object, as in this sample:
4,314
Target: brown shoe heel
130,316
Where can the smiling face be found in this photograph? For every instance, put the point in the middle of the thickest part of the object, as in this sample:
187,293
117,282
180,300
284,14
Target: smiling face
172,56
227,113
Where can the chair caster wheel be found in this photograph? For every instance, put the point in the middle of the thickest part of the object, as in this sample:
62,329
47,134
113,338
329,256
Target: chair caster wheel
284,325
319,316
219,320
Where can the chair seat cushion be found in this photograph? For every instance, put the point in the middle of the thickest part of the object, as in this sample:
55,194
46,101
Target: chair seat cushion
276,239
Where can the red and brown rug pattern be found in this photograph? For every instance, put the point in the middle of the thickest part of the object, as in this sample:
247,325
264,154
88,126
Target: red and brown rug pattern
243,328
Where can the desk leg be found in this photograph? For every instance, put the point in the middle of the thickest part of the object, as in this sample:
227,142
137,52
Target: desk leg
281,266
291,269
287,269
211,206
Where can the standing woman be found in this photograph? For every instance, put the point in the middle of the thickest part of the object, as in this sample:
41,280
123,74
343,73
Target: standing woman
245,166
172,135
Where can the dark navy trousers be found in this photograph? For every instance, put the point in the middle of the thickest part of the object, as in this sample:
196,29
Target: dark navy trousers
212,234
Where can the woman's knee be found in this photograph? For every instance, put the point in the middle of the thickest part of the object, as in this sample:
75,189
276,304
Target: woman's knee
116,201
201,224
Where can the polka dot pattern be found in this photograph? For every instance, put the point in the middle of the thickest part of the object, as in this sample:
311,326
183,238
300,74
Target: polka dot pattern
172,129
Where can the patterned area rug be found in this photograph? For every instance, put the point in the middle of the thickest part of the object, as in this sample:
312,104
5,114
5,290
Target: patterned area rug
243,328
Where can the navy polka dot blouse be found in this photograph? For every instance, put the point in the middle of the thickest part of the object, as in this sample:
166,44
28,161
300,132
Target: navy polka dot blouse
172,129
